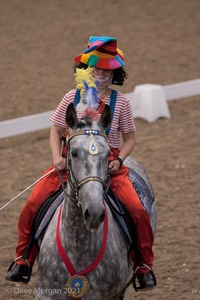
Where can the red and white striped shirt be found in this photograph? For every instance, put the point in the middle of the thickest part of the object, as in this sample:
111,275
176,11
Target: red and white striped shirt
122,120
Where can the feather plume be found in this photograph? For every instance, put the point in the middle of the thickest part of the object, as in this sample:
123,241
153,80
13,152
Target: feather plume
85,82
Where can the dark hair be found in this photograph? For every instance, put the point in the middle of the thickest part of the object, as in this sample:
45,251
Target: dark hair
119,75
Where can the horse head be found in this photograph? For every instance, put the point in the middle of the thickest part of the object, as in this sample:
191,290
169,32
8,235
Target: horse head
87,163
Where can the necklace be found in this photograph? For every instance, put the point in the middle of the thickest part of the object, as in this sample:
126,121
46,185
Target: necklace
102,102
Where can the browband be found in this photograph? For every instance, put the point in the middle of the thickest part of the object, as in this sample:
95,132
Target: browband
86,132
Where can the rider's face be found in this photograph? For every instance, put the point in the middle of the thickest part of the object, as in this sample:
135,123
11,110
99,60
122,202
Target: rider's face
103,77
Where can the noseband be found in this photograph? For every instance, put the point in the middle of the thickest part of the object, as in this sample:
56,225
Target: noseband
74,183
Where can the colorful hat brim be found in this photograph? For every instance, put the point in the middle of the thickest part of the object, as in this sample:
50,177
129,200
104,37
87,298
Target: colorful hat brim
101,60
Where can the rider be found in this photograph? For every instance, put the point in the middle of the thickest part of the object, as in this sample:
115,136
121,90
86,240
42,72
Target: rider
108,61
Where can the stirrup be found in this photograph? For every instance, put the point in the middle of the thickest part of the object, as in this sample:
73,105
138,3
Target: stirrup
25,279
143,265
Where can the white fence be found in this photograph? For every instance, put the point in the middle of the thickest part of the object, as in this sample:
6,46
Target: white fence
26,124
148,102
182,89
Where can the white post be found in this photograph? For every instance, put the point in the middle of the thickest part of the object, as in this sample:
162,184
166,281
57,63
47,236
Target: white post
148,101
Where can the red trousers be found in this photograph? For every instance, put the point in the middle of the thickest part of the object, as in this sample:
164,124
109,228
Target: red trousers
122,188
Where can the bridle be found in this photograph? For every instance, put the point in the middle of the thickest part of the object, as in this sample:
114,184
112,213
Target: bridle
81,275
73,181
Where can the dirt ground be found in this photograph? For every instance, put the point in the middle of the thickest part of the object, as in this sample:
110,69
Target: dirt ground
161,45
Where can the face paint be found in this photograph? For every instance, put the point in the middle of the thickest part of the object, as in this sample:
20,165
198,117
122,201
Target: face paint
103,77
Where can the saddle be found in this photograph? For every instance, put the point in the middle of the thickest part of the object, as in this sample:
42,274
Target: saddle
48,208
119,211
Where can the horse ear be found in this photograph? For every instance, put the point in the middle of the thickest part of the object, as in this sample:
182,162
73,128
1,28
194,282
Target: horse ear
105,118
71,117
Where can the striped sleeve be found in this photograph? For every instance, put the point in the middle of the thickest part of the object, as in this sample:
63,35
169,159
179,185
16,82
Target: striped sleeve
126,121
58,117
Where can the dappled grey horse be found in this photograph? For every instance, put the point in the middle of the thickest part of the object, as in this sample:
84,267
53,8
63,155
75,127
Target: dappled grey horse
82,254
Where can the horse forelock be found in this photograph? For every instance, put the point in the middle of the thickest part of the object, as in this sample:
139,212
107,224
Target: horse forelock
86,121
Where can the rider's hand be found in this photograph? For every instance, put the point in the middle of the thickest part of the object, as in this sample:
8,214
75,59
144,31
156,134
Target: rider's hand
114,166
60,163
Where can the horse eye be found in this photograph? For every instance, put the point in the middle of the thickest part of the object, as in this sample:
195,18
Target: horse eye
74,153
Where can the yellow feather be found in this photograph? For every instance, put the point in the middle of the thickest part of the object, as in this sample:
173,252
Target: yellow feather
84,76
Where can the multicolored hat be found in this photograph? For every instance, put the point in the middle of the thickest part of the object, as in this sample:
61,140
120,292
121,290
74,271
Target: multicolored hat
102,52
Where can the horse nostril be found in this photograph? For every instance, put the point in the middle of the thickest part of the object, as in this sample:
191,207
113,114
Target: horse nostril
93,218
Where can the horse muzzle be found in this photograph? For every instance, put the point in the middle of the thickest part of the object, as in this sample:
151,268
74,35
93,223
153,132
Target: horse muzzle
93,217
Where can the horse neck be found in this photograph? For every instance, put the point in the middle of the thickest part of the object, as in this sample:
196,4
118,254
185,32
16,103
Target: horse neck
75,234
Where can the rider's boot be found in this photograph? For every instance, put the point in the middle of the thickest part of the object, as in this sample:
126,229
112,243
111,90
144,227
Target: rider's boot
19,271
147,280
21,268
